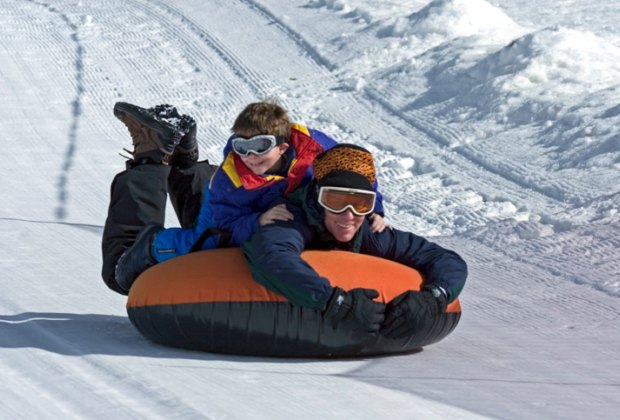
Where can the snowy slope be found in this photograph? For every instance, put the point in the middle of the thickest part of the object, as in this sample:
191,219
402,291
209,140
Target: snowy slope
495,127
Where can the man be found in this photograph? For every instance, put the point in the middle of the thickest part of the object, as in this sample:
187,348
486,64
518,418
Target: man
331,213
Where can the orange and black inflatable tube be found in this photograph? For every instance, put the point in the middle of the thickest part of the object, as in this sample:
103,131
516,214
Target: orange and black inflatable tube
209,301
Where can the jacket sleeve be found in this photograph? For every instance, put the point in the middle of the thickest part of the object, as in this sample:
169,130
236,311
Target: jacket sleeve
229,214
438,265
274,257
172,242
323,139
379,201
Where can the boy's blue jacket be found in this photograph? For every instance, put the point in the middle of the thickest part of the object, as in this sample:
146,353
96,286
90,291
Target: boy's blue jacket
236,197
274,254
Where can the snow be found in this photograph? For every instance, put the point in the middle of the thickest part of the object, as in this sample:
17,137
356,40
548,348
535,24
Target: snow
495,128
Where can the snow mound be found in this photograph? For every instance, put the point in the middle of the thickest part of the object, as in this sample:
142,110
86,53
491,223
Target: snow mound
460,18
569,61
561,80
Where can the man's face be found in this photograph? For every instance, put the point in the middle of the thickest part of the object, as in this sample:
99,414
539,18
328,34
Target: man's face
343,226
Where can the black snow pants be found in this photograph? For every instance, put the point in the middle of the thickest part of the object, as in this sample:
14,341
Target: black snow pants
138,197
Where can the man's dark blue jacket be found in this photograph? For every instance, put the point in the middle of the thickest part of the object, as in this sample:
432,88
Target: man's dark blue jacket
274,254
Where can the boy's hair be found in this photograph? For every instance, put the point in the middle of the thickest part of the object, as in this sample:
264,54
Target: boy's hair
264,117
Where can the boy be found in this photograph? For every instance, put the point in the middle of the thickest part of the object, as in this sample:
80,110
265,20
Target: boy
265,159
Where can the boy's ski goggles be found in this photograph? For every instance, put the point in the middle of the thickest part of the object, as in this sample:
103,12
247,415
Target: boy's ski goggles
338,200
259,145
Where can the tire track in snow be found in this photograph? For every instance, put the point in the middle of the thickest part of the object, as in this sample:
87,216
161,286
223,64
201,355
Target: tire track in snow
548,294
259,82
583,255
311,51
255,81
193,53
447,137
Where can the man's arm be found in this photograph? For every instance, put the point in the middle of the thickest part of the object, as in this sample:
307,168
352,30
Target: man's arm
440,266
274,257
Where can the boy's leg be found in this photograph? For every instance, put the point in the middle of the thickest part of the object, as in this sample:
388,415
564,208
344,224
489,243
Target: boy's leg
138,195
138,198
188,178
187,187
189,192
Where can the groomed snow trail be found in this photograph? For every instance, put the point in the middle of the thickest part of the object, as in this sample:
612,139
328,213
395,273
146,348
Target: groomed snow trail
539,334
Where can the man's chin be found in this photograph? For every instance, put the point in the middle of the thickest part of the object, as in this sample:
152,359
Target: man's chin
343,236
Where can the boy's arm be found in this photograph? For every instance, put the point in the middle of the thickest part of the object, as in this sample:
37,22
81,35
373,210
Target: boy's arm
228,213
379,202
240,222
274,257
438,265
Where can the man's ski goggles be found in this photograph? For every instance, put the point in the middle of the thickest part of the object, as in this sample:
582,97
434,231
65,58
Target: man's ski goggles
339,200
259,145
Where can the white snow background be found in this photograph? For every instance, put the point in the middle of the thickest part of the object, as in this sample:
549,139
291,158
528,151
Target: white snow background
496,128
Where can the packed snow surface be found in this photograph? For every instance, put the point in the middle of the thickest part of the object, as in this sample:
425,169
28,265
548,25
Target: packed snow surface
495,128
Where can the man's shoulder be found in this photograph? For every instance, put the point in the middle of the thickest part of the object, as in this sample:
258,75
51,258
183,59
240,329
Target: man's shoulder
376,243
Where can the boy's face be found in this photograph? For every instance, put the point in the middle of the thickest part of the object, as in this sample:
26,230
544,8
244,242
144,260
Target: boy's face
270,162
343,225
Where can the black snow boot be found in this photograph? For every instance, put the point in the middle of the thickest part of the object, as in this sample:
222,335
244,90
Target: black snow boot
137,258
154,139
186,152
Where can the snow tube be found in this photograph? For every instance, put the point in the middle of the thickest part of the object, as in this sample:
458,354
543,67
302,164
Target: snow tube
209,301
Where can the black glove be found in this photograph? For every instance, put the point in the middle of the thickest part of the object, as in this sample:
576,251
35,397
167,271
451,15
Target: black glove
406,313
355,310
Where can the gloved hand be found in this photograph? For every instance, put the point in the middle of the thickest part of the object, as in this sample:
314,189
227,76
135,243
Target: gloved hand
406,313
355,310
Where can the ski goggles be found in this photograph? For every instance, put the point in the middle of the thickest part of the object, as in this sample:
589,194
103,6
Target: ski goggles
339,200
259,145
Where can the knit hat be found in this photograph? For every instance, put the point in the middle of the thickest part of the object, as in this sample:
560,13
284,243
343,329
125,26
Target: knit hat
345,165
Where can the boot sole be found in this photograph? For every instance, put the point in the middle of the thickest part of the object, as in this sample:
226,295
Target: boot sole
126,110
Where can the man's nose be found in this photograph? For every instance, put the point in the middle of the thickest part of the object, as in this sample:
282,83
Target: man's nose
348,214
